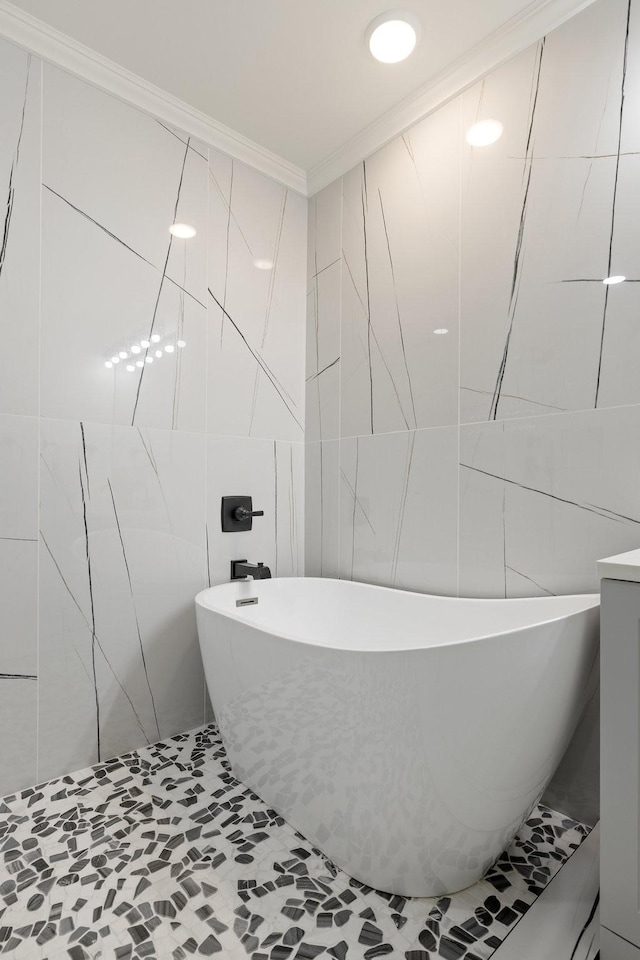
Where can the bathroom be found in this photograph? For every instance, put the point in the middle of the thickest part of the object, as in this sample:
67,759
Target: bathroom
396,339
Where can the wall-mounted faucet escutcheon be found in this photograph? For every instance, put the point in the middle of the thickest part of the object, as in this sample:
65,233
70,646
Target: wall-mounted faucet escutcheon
237,514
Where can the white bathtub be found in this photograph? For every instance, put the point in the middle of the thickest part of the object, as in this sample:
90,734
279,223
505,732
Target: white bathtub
407,736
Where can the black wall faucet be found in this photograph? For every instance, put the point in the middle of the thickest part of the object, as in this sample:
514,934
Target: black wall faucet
241,569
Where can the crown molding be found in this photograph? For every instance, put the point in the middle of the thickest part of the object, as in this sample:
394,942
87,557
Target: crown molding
57,48
534,22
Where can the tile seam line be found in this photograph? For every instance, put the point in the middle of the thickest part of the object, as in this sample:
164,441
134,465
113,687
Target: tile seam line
39,404
127,426
582,412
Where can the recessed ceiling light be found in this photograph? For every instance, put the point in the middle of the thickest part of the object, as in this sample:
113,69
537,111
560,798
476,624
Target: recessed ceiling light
484,133
182,230
441,331
263,264
609,280
392,36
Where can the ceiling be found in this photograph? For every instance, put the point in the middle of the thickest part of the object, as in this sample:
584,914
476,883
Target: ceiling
292,75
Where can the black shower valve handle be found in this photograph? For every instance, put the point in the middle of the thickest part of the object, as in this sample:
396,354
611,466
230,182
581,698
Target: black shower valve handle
237,514
241,513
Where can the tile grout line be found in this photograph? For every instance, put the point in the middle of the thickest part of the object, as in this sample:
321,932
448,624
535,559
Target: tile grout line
39,486
459,431
338,518
207,559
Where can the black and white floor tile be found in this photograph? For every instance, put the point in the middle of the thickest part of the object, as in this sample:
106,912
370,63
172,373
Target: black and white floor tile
164,854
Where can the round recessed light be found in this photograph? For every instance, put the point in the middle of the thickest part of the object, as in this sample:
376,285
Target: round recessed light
135,348
263,264
155,337
484,133
169,348
130,367
392,36
616,279
182,344
441,331
158,353
108,364
123,355
139,363
182,230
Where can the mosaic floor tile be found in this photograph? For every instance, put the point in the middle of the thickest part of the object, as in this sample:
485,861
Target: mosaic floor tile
164,854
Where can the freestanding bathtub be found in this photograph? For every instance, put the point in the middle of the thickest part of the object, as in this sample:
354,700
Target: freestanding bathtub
407,736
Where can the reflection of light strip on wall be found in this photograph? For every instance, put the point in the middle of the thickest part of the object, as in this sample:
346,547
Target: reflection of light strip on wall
137,348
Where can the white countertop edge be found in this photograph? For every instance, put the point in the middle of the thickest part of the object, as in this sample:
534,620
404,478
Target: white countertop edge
626,566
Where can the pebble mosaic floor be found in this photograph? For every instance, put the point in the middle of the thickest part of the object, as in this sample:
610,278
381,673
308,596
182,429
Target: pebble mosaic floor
164,854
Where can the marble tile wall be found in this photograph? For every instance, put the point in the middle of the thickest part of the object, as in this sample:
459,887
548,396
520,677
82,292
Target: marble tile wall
498,458
110,479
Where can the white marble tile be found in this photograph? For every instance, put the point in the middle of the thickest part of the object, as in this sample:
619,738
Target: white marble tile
187,259
20,81
18,609
125,171
325,229
100,299
18,601
563,923
18,739
324,271
614,947
19,478
112,275
256,316
322,509
122,556
323,356
400,282
536,222
618,382
289,487
272,473
630,140
575,786
398,509
542,498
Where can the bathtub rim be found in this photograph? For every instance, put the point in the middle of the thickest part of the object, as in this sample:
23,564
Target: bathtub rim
236,616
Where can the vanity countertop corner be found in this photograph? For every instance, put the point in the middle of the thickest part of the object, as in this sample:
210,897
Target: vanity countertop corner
624,566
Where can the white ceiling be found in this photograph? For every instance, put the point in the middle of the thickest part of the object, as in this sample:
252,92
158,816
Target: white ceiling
291,75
